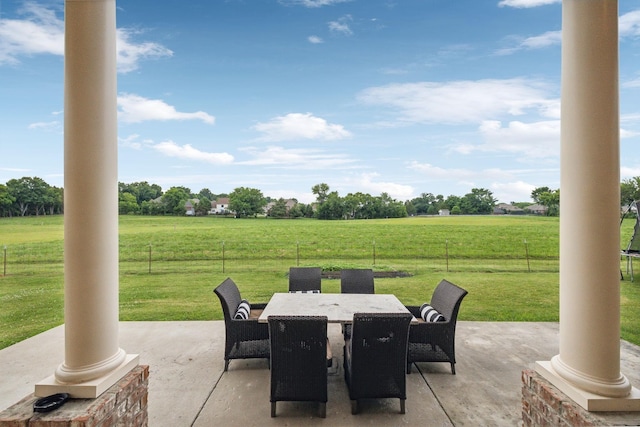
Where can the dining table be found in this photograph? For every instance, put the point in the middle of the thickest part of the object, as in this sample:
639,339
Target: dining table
339,308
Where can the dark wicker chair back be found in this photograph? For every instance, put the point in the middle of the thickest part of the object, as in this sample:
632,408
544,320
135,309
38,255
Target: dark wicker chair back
244,339
446,299
435,342
375,357
229,295
357,281
298,360
305,279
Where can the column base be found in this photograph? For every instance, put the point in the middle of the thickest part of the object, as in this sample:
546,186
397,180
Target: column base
589,401
123,404
89,389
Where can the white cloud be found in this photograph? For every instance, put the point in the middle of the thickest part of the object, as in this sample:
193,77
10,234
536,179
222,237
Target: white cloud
14,170
341,26
630,118
296,158
295,126
526,3
631,83
136,109
550,38
187,152
460,175
551,109
132,141
397,191
42,32
461,101
629,172
507,192
130,54
54,126
629,24
534,140
312,3
315,40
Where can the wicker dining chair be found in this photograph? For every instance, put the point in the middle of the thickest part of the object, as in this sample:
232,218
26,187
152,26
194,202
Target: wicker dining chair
355,281
435,341
244,338
375,357
303,279
308,280
298,364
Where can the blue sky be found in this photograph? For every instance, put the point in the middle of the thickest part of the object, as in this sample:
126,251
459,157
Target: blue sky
403,97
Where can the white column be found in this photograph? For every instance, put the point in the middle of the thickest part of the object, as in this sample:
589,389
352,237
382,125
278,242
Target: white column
92,352
589,359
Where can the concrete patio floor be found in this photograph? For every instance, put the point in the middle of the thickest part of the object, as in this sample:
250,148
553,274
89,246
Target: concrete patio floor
188,387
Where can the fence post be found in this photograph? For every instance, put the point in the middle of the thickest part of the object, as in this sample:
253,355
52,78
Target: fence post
446,251
150,258
223,256
526,250
374,253
4,262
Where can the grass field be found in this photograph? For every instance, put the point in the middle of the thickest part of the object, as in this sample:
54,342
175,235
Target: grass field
170,265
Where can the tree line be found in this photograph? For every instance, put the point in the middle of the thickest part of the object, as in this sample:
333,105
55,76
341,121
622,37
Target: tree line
29,196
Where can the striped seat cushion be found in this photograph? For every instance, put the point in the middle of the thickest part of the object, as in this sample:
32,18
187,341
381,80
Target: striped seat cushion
310,291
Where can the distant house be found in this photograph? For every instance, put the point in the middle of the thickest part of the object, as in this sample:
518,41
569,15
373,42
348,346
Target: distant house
444,212
220,206
507,209
190,207
290,203
537,209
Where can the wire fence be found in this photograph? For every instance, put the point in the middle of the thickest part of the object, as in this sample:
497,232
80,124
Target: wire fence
235,256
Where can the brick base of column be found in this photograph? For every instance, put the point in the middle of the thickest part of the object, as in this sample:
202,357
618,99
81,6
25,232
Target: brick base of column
544,405
124,404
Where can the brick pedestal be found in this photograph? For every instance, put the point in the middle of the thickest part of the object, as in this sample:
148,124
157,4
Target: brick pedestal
124,404
544,405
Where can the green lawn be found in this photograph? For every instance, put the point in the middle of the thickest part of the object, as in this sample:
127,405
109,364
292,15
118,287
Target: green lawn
170,265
